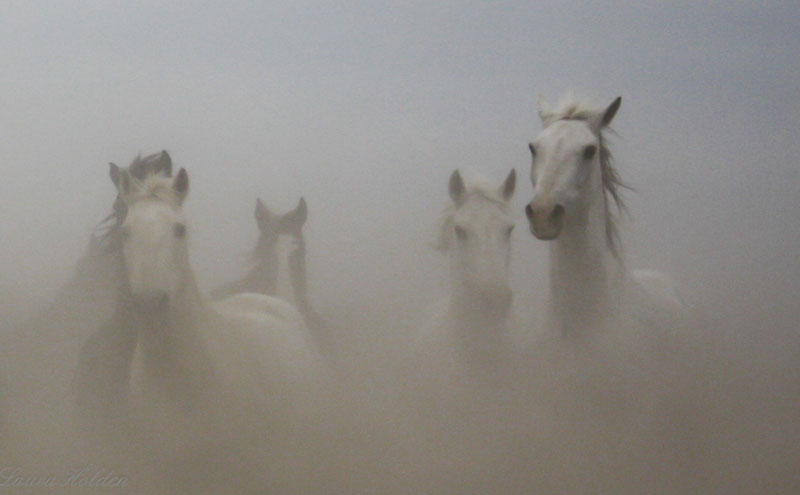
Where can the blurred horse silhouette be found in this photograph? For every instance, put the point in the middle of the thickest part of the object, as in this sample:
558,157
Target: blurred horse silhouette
248,351
279,258
101,378
470,330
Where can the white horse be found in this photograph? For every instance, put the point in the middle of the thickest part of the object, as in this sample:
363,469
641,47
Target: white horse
576,188
471,326
192,356
88,297
280,260
100,381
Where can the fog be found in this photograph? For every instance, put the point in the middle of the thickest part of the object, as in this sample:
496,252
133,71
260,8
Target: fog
365,110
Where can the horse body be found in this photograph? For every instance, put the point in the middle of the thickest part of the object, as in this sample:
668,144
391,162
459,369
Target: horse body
237,356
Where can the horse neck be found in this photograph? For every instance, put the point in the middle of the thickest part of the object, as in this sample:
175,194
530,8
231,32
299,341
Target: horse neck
472,314
263,277
284,280
582,268
297,274
476,333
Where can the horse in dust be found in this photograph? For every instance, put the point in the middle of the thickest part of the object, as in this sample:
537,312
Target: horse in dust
279,260
189,353
199,369
575,191
48,343
88,297
622,331
100,382
468,332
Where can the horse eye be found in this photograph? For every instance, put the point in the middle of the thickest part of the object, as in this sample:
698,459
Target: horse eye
589,151
533,149
179,230
461,233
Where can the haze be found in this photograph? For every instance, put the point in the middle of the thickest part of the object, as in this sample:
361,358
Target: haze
365,109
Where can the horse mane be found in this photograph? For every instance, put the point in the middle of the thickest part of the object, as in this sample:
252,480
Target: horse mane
476,186
259,251
572,107
140,168
153,186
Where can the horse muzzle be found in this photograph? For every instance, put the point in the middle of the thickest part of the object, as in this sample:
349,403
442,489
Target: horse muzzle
546,219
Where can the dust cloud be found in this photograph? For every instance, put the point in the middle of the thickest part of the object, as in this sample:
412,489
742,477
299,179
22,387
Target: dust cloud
712,409
365,112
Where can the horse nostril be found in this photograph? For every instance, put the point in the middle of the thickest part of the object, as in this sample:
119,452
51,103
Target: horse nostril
557,213
529,211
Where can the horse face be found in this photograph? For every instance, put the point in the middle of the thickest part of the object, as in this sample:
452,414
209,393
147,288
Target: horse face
153,238
565,172
480,252
564,162
154,253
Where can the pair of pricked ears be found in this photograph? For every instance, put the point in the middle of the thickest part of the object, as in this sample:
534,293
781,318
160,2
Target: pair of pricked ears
295,218
458,189
126,182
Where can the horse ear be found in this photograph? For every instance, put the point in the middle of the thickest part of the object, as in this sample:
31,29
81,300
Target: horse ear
164,164
545,110
181,184
300,213
610,112
124,182
261,212
456,187
114,173
296,218
507,189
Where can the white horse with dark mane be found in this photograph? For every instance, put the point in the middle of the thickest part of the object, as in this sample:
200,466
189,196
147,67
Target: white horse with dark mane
88,297
192,356
100,381
470,330
180,379
575,191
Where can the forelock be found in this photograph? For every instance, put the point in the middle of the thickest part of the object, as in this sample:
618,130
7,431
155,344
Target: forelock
572,106
153,186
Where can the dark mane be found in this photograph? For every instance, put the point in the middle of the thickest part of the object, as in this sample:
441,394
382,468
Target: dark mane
141,167
612,184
